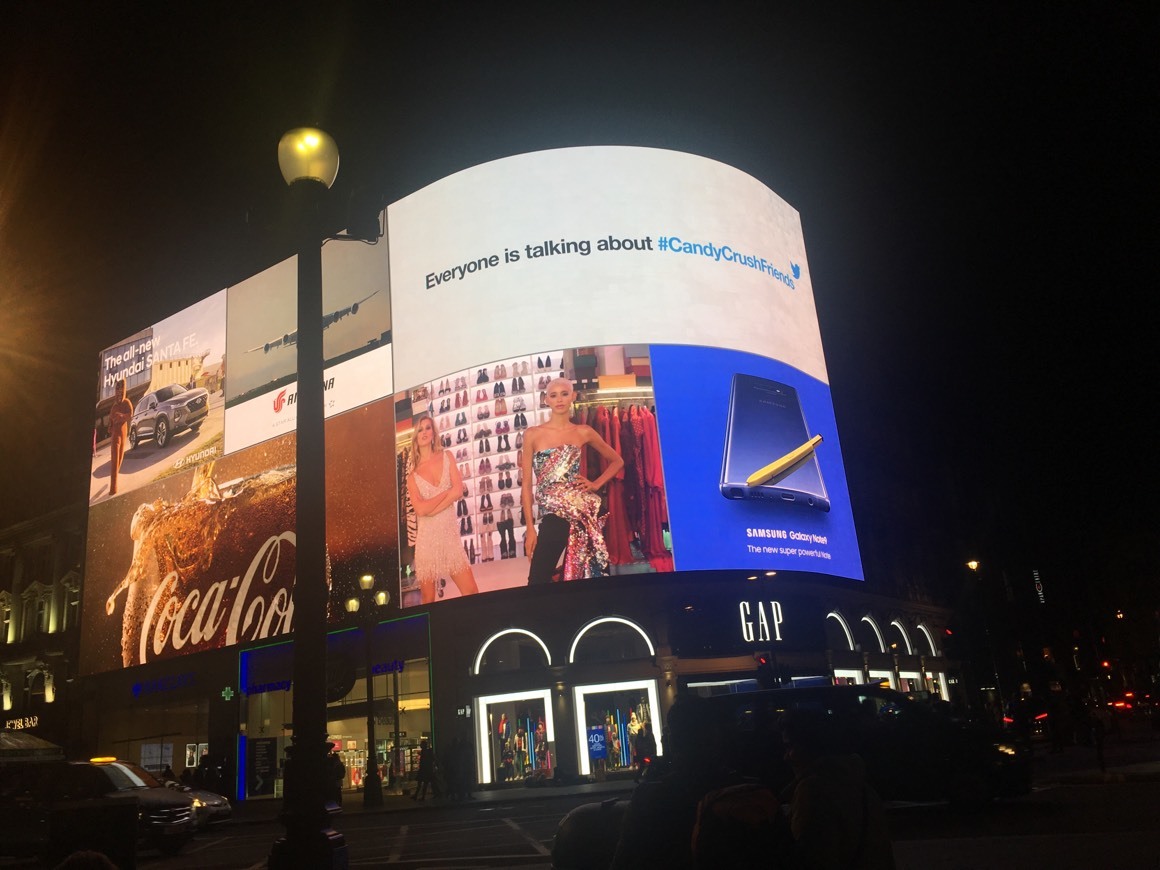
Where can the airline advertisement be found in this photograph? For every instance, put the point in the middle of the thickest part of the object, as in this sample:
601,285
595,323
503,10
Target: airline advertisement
605,361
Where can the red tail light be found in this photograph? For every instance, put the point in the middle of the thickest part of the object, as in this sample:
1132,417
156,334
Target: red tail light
1041,716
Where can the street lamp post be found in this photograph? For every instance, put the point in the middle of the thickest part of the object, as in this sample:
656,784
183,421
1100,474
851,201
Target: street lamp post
308,159
975,566
375,600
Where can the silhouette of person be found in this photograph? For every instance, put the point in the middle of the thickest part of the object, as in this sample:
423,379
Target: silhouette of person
120,414
658,828
337,775
426,772
646,748
836,818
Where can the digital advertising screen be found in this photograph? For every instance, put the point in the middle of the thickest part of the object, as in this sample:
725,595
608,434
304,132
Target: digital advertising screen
262,341
159,401
597,361
673,293
205,559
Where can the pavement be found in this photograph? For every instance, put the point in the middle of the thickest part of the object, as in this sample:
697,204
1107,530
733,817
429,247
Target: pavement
1131,755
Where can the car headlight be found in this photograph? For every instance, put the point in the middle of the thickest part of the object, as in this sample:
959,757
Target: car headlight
198,803
1007,748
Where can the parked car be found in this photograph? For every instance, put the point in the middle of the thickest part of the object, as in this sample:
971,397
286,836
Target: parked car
166,819
208,806
912,751
51,808
163,413
1028,716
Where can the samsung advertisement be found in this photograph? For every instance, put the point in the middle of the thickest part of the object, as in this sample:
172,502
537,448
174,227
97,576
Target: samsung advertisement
579,363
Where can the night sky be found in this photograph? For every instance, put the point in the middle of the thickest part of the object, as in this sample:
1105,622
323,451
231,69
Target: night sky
977,187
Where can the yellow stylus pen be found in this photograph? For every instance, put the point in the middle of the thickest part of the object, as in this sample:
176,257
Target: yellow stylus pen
764,475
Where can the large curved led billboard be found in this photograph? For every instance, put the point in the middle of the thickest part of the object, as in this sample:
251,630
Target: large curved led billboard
639,319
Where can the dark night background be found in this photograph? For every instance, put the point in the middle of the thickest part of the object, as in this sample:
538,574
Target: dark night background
977,187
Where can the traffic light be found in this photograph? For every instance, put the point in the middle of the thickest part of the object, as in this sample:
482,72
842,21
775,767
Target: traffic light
765,675
952,644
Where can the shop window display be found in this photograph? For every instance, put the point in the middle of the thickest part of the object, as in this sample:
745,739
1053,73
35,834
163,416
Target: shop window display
623,716
520,740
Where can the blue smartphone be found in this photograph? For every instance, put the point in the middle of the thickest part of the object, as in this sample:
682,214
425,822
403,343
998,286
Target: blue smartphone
766,422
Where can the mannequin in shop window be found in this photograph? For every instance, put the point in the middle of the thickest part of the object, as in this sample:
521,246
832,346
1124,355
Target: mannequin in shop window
569,503
540,747
521,751
433,486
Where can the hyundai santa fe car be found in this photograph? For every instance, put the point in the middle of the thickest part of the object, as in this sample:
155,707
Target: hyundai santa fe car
163,413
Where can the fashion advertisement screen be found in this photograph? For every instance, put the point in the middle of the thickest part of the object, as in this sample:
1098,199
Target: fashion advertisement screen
567,364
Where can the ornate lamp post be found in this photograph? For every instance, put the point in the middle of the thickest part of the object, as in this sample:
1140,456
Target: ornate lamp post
308,159
374,600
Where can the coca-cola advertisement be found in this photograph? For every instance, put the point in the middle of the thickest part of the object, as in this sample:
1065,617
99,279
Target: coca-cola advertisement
206,559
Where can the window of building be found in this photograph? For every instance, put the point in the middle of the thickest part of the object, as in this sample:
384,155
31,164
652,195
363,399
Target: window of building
513,649
37,609
6,626
611,638
71,586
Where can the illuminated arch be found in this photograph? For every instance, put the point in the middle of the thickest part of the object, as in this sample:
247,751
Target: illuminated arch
905,637
507,631
833,614
929,639
877,632
602,620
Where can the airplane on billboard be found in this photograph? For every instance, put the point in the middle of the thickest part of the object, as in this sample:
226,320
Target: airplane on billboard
327,320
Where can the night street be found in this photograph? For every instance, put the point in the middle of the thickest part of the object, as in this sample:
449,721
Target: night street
1074,817
1110,825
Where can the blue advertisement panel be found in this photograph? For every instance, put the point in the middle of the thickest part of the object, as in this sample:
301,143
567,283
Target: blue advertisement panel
597,745
748,412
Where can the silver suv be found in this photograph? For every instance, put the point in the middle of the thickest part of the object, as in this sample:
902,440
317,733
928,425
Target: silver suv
163,413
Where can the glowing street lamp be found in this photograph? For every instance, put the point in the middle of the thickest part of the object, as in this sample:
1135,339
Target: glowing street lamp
308,159
372,779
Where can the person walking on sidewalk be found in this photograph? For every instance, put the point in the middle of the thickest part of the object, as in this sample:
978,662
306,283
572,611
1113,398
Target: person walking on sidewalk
426,773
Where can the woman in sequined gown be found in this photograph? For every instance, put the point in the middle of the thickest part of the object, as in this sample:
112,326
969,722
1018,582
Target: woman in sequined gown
569,503
434,485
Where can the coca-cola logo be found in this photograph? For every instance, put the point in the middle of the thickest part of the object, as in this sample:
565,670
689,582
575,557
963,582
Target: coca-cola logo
262,606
